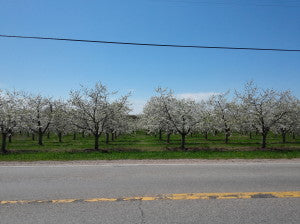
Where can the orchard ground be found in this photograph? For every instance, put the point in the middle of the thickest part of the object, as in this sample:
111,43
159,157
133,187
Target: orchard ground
143,146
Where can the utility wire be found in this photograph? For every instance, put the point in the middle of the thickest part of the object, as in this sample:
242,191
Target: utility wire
150,44
218,3
222,3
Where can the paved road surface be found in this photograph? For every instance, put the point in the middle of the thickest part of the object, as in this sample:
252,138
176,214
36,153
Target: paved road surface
49,182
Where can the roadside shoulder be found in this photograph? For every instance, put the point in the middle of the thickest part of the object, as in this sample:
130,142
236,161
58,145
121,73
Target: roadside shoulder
149,161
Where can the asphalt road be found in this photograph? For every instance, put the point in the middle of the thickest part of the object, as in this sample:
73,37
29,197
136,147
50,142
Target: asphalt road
49,182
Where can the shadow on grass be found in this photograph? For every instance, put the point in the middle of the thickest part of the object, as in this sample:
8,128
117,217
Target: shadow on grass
209,149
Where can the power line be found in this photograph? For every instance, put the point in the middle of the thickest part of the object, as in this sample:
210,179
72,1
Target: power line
150,44
222,3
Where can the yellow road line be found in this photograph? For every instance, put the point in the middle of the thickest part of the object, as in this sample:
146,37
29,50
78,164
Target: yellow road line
185,196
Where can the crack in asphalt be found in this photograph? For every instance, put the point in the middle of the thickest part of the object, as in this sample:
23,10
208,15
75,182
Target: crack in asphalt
142,212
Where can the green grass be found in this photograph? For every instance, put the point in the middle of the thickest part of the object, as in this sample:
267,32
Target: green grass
65,156
143,146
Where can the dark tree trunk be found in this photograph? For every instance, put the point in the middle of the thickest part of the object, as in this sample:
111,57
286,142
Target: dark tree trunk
33,136
250,135
48,135
60,137
40,138
216,132
112,136
3,145
283,134
226,138
294,136
183,141
10,138
82,134
168,138
206,135
264,140
227,134
106,138
74,136
160,135
97,141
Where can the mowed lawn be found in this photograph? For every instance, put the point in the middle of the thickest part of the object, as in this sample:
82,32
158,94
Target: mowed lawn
143,146
143,142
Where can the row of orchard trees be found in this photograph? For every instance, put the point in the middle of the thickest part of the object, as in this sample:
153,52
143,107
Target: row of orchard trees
97,111
252,110
94,111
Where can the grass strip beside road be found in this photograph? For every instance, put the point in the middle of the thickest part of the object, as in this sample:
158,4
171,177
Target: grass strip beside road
68,156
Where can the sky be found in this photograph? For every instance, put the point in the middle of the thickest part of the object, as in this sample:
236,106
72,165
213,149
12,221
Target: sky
53,68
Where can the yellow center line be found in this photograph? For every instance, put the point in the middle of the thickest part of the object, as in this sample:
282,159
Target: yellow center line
184,196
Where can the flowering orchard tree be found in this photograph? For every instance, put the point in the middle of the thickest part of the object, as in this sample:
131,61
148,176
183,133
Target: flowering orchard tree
266,107
38,115
295,117
154,118
11,114
133,122
61,122
91,109
290,122
182,114
244,121
206,125
118,121
224,113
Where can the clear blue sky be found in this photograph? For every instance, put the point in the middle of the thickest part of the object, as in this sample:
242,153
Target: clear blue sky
53,68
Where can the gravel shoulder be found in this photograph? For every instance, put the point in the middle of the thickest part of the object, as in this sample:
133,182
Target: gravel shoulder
150,161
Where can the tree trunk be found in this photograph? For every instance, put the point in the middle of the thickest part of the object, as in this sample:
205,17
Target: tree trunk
48,135
33,137
82,134
168,138
250,135
3,145
74,136
226,138
112,136
160,134
283,134
97,141
227,134
294,136
60,137
107,138
264,140
40,138
183,141
9,138
206,135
